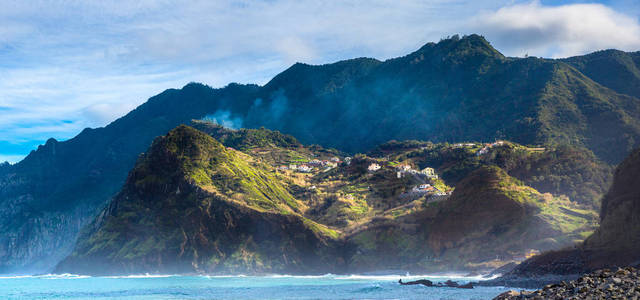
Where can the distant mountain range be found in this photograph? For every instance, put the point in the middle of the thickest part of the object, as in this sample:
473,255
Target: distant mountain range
460,89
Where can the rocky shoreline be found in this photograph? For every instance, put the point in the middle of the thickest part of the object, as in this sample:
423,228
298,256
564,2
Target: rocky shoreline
601,284
527,282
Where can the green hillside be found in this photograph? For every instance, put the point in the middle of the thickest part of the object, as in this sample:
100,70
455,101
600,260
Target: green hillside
459,89
194,205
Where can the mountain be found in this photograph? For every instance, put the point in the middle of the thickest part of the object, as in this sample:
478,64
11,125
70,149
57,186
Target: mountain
455,90
617,70
50,195
616,243
559,170
489,220
194,205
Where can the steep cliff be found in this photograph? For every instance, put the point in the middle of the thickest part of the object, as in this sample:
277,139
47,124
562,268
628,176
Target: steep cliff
191,205
615,243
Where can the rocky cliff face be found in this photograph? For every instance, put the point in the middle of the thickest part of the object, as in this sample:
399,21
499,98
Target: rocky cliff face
616,243
171,217
620,213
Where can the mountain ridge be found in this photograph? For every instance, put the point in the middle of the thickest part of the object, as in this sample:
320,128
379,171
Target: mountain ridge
457,89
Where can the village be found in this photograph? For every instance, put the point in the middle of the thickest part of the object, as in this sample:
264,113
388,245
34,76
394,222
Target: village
315,165
426,176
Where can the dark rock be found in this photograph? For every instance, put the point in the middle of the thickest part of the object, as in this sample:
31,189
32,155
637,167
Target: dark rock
601,284
424,282
466,286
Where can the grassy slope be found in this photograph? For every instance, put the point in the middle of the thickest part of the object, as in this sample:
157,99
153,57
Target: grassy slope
362,220
489,215
165,217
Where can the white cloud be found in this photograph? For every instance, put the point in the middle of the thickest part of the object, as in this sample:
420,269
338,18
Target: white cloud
67,65
558,31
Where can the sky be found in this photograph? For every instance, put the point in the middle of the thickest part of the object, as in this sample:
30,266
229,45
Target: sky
68,65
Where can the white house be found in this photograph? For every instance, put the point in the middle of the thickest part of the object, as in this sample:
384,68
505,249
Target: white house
430,172
403,167
373,167
315,162
304,168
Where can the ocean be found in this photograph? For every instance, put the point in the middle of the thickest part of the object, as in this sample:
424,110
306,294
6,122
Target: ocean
67,286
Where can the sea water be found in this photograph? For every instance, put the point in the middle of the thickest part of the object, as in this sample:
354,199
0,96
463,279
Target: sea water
329,286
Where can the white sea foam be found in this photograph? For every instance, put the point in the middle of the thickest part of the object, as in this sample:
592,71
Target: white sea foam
147,275
387,277
47,276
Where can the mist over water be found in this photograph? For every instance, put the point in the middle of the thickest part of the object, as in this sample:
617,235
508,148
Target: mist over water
69,286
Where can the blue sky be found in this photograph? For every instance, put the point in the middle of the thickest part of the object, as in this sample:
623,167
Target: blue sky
67,65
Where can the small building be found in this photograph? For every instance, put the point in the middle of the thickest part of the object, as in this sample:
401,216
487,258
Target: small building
347,160
315,162
293,166
483,151
335,159
373,167
283,168
423,189
403,167
430,173
305,168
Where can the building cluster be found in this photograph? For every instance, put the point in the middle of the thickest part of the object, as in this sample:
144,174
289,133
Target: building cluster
428,189
402,170
460,145
486,147
311,165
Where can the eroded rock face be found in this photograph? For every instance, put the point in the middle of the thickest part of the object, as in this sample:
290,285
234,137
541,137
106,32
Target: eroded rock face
619,231
616,243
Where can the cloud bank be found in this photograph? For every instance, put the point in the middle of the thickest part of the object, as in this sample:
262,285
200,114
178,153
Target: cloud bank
558,31
66,65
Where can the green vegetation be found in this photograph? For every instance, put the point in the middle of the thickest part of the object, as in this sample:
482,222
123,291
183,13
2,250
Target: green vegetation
459,89
559,170
208,207
244,139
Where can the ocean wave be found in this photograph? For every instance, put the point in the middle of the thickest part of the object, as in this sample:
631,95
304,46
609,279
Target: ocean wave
147,275
47,276
433,277
387,277
371,289
328,275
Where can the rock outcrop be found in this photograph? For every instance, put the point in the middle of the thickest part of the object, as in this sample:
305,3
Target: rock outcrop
616,243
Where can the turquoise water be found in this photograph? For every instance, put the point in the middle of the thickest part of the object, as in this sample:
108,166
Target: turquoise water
232,287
